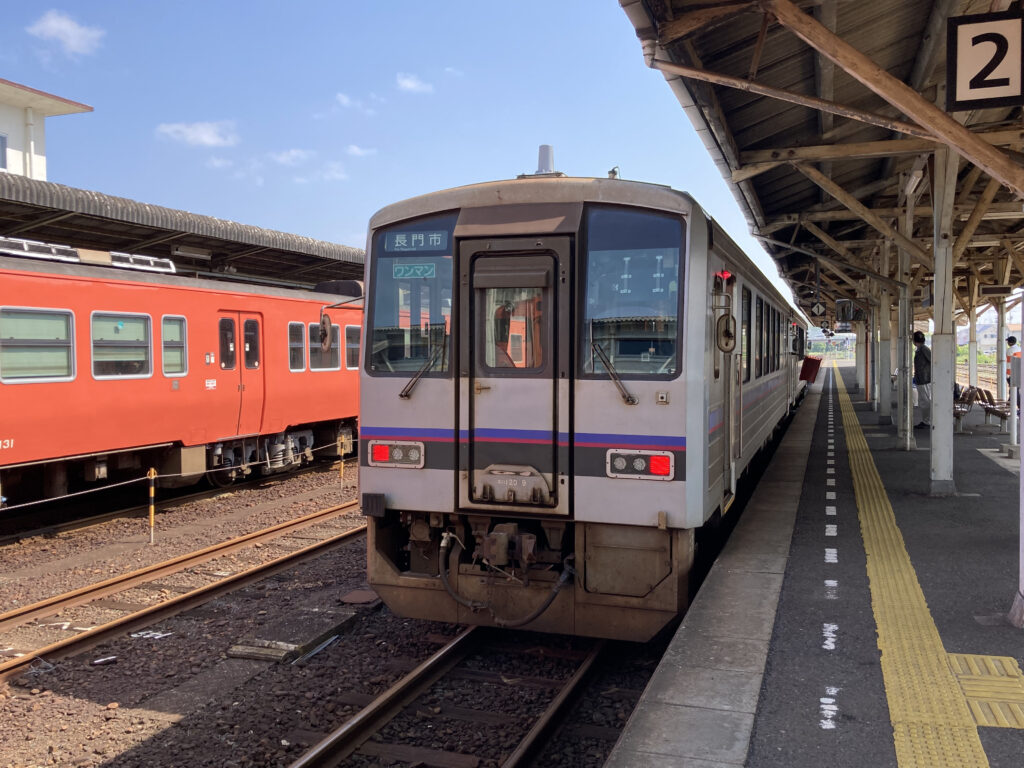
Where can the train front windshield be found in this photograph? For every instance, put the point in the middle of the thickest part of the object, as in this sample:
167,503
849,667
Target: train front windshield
631,306
410,322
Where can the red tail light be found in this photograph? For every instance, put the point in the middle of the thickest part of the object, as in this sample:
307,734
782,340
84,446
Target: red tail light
381,453
661,465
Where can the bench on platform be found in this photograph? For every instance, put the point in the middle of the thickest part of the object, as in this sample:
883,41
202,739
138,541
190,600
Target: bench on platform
998,408
962,406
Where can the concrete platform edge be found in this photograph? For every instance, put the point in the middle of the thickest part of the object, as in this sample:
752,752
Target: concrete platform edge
698,709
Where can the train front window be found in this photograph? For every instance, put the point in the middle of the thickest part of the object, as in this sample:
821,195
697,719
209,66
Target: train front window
513,328
411,298
631,300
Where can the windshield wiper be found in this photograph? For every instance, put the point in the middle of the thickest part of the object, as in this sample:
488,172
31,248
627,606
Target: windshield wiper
627,398
407,391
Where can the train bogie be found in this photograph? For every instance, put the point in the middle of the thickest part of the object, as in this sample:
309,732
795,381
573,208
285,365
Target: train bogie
563,380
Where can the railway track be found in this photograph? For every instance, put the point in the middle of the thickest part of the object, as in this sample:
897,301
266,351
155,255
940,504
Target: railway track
28,618
986,375
371,733
82,523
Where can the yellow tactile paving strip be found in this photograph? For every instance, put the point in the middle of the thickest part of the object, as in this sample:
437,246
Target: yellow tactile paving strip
933,726
994,688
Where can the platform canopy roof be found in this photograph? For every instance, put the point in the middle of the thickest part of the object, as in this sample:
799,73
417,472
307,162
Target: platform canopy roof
200,245
824,118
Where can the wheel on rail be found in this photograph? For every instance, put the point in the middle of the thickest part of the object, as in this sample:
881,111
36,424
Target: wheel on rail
221,478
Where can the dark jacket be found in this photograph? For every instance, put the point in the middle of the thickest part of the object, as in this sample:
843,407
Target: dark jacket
923,365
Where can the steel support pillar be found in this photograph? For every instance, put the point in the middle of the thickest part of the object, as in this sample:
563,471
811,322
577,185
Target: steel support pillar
885,366
1001,335
972,348
944,337
905,405
860,353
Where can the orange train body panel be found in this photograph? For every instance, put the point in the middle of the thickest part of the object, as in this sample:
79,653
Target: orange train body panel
43,420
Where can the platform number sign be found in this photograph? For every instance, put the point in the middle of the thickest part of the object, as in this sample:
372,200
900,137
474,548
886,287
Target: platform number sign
984,61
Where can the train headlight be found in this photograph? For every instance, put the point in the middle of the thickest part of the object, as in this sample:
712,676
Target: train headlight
640,465
396,453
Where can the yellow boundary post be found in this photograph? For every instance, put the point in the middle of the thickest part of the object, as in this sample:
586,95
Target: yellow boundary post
152,505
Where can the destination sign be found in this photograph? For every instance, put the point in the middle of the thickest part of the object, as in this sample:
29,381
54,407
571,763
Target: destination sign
406,271
433,240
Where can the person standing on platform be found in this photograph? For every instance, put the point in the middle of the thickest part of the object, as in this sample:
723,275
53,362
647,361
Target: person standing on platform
923,380
1011,342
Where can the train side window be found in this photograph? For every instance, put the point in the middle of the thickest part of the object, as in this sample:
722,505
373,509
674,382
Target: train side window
121,346
251,336
759,352
352,347
36,344
745,335
778,340
773,340
296,347
320,360
173,338
227,344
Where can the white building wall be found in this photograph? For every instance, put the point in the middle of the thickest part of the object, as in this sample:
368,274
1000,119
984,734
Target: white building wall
26,141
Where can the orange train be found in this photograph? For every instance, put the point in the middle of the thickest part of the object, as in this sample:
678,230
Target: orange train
106,372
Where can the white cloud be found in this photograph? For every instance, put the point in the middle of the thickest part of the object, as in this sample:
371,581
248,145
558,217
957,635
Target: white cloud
218,163
251,170
332,171
408,82
349,103
72,36
454,71
360,151
291,156
220,134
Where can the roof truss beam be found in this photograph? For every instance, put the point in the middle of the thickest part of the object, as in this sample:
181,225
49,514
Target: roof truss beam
699,18
754,162
861,210
899,94
728,81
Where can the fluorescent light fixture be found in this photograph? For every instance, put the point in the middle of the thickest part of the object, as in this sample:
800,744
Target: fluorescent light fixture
194,253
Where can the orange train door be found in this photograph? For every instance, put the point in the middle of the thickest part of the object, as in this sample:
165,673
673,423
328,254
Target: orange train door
241,360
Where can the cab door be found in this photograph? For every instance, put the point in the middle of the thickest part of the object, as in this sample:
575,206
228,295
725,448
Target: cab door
241,361
514,374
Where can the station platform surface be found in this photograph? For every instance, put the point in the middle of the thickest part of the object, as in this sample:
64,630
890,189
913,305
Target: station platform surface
852,619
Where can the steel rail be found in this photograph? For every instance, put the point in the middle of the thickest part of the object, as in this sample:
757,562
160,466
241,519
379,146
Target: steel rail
346,739
160,611
100,589
351,735
529,747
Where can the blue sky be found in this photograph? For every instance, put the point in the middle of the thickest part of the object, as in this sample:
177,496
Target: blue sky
307,117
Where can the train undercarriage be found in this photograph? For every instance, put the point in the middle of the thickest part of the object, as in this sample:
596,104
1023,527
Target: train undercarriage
551,575
177,466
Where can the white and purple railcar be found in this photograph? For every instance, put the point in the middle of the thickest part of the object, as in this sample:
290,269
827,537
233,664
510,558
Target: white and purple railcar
562,380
